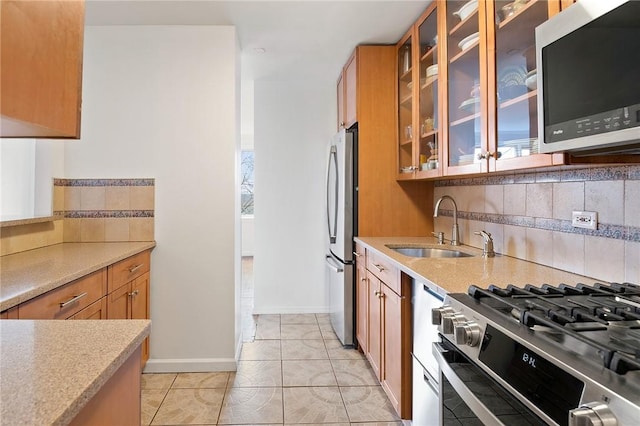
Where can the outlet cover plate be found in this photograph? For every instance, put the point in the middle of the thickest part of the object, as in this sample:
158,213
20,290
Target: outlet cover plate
588,220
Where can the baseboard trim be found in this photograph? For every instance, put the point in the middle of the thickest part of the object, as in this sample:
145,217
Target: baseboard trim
190,365
270,310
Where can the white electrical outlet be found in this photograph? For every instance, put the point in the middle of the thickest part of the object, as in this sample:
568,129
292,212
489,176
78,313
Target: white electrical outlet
587,220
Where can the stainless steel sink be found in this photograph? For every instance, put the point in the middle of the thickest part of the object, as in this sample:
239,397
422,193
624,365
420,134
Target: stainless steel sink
429,252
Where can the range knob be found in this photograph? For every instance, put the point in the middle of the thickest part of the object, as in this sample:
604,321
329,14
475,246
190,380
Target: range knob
450,321
438,313
592,414
468,334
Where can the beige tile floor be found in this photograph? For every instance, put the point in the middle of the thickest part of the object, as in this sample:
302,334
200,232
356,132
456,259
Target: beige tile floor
292,370
299,374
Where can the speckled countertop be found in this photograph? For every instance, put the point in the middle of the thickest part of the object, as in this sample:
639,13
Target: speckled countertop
31,273
49,370
455,275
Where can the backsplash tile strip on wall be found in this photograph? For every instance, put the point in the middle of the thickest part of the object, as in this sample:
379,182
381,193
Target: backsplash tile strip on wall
618,232
103,182
533,219
570,175
97,214
107,209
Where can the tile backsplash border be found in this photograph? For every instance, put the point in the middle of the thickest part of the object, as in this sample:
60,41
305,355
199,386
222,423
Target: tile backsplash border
605,230
529,215
110,210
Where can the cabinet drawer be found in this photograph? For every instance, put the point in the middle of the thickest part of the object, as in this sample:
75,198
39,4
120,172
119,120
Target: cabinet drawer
67,300
128,269
95,311
382,268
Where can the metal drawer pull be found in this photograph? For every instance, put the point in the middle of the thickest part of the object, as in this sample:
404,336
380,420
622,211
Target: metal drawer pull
135,268
380,268
134,293
356,254
73,299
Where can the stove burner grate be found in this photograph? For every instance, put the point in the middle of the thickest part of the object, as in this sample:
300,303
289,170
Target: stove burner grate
581,312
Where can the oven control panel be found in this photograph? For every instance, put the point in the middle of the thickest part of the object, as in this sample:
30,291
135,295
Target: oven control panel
463,330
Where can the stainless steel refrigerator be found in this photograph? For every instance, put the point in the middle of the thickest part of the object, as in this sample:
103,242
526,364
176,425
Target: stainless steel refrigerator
341,228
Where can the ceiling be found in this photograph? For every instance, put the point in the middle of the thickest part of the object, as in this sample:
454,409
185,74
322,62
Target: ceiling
302,39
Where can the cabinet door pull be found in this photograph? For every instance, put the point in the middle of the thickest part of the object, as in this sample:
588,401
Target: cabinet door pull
379,267
134,293
356,254
73,299
135,268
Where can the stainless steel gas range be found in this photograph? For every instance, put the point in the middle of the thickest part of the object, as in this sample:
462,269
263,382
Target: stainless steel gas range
564,355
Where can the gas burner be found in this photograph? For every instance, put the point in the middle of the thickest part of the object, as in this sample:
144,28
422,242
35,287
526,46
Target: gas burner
605,318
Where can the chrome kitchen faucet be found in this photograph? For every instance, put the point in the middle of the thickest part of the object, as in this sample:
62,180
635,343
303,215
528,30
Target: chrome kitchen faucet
455,232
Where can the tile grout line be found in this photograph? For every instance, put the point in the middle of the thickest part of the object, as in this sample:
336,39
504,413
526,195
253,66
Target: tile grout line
163,399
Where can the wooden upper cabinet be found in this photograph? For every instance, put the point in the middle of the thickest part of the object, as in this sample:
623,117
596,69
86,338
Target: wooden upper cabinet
464,71
350,82
406,162
512,101
466,99
41,79
419,99
347,94
491,96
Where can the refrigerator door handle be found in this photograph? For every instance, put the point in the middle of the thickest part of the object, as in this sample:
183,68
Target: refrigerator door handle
333,265
333,157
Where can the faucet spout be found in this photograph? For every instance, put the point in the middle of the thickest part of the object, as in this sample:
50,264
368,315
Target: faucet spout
455,232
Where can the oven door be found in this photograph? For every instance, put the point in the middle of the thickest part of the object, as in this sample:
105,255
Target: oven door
468,396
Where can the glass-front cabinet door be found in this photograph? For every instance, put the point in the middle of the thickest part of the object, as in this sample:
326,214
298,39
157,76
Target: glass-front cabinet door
429,140
466,89
406,132
513,131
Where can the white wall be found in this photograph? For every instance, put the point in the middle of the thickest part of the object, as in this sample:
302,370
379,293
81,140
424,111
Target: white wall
294,121
49,164
161,102
27,168
17,177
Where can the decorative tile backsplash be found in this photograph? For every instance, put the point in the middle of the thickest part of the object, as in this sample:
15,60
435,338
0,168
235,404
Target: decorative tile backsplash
106,209
529,216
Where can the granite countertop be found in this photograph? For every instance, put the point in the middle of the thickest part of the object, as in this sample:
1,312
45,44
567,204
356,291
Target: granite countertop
31,273
455,275
50,369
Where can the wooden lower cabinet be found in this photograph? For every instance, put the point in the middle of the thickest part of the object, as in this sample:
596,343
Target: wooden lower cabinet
11,313
388,348
95,311
119,291
66,301
362,301
362,309
118,401
131,301
396,349
374,353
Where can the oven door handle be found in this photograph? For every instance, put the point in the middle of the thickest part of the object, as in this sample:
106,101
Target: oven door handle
479,409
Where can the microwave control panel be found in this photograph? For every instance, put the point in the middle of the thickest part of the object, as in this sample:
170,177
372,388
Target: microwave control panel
610,121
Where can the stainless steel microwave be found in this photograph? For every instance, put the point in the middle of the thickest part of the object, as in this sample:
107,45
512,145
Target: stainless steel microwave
588,68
